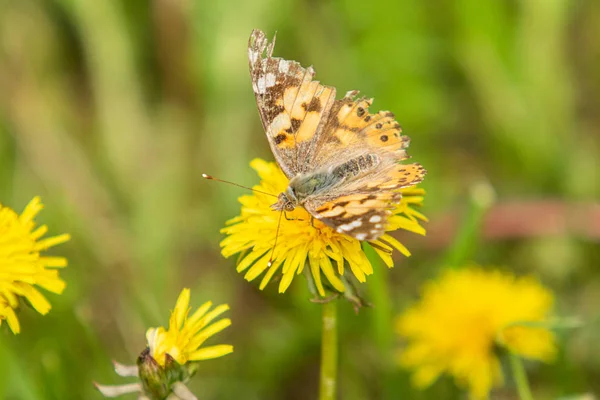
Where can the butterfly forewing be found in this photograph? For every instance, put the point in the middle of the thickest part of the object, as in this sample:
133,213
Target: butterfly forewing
293,107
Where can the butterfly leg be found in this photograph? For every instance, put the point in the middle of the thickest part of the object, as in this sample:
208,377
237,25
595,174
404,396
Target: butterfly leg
380,248
352,295
323,300
291,219
312,223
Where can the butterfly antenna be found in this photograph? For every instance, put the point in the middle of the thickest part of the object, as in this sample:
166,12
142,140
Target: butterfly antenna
212,178
276,237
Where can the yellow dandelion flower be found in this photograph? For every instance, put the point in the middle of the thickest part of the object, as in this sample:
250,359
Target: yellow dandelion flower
168,362
303,242
185,335
21,265
463,315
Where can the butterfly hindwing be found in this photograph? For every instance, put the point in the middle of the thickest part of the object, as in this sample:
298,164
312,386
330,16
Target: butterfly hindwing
363,214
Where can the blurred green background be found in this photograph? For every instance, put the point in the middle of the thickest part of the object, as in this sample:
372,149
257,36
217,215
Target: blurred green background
110,111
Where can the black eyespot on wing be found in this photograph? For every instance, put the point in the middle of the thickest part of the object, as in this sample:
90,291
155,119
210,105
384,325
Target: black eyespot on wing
314,105
280,138
295,125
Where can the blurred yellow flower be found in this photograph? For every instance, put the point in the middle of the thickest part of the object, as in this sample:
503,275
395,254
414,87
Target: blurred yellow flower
301,242
463,315
21,265
185,335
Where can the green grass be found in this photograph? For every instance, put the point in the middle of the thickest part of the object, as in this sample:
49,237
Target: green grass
111,110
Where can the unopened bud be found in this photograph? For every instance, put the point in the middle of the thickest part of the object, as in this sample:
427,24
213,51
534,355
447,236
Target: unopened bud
152,376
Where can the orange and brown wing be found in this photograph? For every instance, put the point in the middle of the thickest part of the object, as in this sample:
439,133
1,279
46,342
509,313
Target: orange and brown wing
398,176
293,108
351,130
363,214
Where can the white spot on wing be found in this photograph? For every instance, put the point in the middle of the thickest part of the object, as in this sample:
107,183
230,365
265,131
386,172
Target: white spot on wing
284,66
346,227
279,123
270,80
375,218
252,55
260,85
356,223
361,236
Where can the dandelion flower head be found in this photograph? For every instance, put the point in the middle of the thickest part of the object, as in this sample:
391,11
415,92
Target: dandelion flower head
302,240
463,316
22,268
186,334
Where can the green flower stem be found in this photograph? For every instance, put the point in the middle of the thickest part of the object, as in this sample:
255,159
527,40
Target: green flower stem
327,387
383,312
481,199
520,377
381,324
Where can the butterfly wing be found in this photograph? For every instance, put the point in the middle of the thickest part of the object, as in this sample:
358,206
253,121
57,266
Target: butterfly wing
293,108
351,131
362,211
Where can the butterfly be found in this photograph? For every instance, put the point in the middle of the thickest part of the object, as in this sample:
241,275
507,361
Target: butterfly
343,162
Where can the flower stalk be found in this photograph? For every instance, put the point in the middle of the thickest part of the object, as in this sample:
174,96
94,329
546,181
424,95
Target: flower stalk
520,377
328,383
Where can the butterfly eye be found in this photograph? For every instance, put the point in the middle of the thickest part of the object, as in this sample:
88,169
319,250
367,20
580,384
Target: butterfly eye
291,194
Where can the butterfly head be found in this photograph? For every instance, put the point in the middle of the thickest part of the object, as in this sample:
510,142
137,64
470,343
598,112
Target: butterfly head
286,201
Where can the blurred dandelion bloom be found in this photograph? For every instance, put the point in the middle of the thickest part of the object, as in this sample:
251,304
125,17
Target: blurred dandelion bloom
21,265
467,314
170,359
302,241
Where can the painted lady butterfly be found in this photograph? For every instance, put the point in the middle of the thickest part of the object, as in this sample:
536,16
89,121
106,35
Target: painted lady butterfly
342,161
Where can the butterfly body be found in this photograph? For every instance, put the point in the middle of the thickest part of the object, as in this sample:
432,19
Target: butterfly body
342,161
319,183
